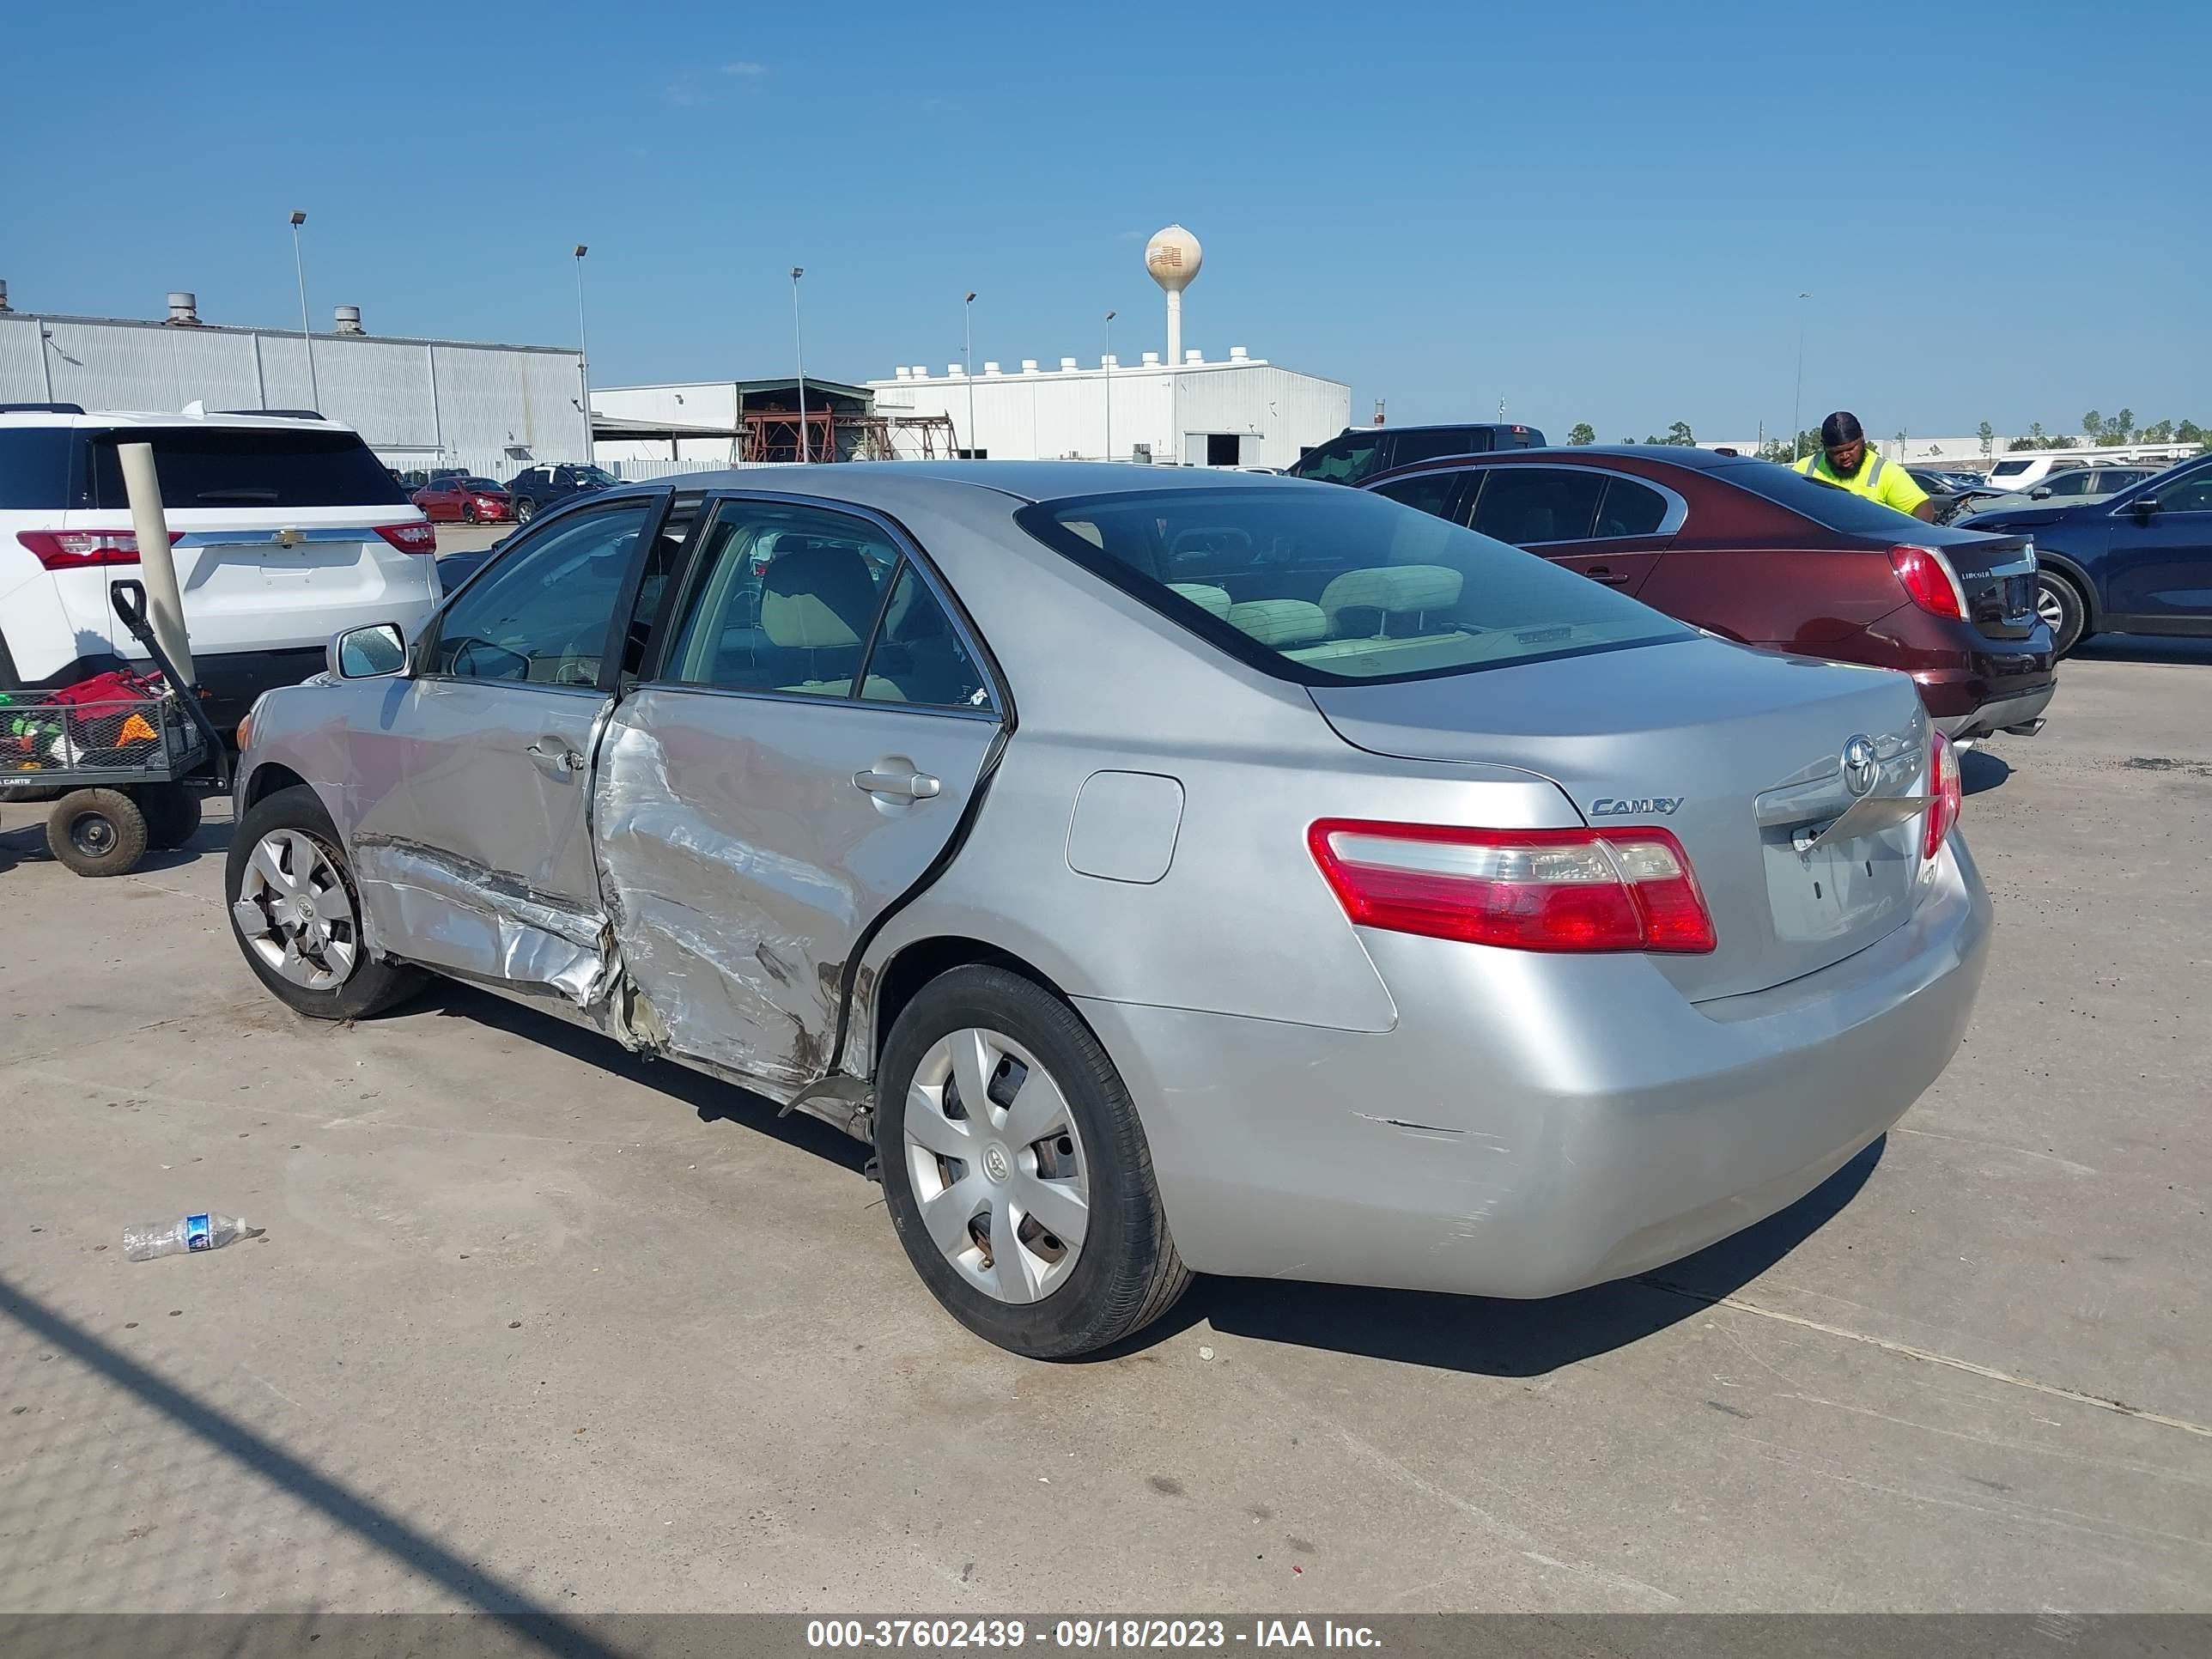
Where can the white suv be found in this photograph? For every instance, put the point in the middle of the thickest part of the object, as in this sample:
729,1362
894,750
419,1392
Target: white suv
286,532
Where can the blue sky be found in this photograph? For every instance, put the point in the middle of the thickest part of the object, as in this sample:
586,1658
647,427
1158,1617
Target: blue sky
1592,212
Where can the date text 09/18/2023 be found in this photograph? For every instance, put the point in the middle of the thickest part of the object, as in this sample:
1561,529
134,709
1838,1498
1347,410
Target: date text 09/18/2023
1201,1635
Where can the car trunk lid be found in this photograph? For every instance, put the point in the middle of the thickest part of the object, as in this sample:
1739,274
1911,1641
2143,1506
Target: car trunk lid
1740,755
1996,583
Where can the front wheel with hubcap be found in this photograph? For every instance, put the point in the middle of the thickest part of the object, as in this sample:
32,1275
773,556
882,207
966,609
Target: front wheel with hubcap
2060,605
1016,1171
296,912
525,510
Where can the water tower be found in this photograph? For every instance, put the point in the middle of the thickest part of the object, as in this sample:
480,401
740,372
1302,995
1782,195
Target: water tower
1173,257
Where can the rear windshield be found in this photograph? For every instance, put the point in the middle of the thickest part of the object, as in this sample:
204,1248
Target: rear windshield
239,466
1823,503
1330,586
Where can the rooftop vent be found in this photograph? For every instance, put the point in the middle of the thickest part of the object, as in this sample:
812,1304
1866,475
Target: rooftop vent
1152,360
184,310
1238,355
1194,356
348,319
3,299
1067,364
901,373
953,369
1028,364
991,368
1109,361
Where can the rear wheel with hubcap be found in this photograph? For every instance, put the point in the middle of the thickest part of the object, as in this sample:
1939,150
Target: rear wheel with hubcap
1016,1171
524,509
296,913
2060,605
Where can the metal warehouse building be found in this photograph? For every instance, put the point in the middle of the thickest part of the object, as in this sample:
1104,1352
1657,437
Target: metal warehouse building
491,409
1237,412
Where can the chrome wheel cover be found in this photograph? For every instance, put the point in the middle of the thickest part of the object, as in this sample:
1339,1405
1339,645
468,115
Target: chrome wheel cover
294,912
998,1167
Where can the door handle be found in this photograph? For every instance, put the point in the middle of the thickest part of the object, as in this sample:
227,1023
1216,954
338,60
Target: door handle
1603,573
562,762
899,782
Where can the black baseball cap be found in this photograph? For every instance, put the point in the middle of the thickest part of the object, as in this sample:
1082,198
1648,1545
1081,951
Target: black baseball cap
1840,429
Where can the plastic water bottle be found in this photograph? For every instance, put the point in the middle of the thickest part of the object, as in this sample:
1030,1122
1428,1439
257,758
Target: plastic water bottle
194,1232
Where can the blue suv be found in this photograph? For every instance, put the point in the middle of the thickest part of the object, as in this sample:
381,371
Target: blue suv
2137,562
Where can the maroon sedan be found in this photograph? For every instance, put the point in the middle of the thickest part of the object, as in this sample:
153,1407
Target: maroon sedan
1760,554
472,501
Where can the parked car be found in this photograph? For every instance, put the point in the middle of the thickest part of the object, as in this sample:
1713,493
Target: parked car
2022,469
2137,562
535,489
286,532
1937,481
1759,553
2081,483
466,498
1359,452
1314,805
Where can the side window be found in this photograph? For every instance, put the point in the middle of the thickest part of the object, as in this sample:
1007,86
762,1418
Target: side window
2069,484
1631,509
786,600
2191,495
662,560
920,656
1344,461
544,612
1426,492
1528,506
1411,447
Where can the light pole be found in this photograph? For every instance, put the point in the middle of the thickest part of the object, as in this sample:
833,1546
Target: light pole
1797,397
1106,365
307,340
798,345
584,352
967,356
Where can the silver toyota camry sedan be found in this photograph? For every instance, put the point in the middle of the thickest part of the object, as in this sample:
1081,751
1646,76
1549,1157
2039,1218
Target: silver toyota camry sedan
1167,872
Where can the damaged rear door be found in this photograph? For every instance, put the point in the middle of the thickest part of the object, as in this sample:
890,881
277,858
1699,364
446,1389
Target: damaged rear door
472,848
804,756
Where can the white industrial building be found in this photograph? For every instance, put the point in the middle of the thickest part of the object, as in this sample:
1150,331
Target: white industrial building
419,404
1240,410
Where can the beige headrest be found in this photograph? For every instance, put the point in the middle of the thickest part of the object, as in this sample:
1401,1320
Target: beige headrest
1395,589
817,596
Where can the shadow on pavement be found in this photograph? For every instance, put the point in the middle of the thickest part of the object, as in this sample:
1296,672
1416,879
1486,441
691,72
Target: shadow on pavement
516,1612
2145,647
713,1100
1979,770
1494,1338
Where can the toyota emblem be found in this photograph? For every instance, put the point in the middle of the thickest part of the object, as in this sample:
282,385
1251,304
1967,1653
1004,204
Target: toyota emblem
1861,770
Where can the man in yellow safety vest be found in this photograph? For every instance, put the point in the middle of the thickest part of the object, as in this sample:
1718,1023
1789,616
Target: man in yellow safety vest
1845,461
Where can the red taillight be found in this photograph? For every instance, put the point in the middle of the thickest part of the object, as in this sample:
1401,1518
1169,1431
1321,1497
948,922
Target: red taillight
1527,890
1929,578
80,549
410,537
1944,783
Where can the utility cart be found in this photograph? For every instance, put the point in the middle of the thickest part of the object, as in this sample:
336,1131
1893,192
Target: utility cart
123,755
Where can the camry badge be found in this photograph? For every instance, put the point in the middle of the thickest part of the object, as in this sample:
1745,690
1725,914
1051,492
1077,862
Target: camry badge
1608,806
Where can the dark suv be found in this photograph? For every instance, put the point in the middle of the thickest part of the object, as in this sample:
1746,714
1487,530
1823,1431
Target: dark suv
541,486
1359,452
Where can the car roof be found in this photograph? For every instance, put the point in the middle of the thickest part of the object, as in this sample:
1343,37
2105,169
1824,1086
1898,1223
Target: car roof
885,484
100,419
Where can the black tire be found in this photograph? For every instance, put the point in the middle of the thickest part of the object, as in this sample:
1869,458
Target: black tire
468,512
1126,1273
97,832
524,509
372,986
2055,592
172,814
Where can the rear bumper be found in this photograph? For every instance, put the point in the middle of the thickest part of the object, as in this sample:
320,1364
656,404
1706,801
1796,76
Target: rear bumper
1580,1127
1997,713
